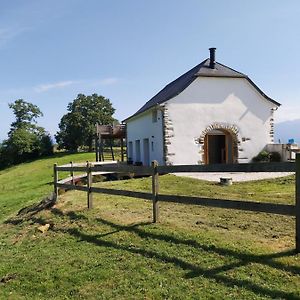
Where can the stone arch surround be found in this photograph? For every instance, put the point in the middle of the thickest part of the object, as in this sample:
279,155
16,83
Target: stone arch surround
231,128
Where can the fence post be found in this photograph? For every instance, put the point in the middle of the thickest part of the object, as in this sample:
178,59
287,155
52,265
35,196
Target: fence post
72,173
155,188
89,185
122,149
97,147
55,180
298,202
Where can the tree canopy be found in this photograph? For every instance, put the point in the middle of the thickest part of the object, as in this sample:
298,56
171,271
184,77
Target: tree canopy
26,113
25,140
77,127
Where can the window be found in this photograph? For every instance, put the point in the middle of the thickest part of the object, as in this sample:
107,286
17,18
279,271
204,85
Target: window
146,152
130,151
137,150
154,116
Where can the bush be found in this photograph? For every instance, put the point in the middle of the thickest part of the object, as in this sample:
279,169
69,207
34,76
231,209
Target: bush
24,145
275,157
265,156
46,145
262,156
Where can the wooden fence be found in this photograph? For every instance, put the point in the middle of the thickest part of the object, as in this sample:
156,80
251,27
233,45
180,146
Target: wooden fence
90,169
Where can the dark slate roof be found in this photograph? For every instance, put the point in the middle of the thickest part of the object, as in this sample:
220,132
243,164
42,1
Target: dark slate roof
178,85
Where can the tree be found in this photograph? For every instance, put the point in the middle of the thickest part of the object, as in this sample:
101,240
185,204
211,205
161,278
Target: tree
25,140
77,127
26,114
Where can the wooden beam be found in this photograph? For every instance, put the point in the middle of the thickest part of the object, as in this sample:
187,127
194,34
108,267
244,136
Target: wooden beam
55,180
101,153
74,169
67,186
142,195
122,149
123,169
97,147
89,186
111,149
251,167
280,209
72,173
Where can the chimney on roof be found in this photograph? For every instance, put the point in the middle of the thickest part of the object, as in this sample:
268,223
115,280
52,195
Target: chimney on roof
212,57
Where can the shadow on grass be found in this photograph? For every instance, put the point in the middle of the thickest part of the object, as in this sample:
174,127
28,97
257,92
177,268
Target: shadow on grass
194,270
243,258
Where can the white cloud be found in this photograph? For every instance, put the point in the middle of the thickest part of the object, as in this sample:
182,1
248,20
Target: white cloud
84,83
9,33
287,113
109,81
57,85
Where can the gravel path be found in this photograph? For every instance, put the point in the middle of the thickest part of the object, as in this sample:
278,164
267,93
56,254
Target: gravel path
236,177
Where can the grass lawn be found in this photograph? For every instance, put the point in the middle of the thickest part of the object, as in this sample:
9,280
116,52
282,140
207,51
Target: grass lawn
114,251
27,183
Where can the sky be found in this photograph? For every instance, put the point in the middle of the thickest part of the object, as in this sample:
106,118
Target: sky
128,50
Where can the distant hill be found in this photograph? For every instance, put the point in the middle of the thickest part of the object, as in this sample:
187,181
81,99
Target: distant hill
287,130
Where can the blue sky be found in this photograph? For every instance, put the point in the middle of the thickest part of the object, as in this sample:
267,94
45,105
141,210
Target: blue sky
128,50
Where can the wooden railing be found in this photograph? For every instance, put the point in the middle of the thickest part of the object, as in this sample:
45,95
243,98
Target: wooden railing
91,169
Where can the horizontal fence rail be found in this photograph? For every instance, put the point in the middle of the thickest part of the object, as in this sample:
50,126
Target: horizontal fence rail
123,169
90,169
280,209
142,195
109,169
73,187
253,167
74,169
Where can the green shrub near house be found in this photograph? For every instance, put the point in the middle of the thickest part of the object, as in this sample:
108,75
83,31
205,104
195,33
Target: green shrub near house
265,156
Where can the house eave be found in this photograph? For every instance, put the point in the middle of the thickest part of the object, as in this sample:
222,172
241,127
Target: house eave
262,93
139,114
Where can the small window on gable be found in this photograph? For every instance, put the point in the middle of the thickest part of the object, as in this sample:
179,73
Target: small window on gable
154,116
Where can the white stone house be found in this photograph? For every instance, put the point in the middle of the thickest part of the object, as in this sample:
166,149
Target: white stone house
210,114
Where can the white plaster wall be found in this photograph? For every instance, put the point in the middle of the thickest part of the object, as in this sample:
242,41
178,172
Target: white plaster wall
208,100
142,127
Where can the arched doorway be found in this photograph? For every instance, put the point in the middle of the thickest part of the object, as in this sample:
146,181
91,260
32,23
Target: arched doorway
219,147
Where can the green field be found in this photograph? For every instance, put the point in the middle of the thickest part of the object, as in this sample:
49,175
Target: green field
114,251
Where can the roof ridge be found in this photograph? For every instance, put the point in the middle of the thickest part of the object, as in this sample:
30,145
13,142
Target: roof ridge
178,85
170,85
232,69
180,77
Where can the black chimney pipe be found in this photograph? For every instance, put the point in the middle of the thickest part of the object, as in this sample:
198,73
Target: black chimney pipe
212,58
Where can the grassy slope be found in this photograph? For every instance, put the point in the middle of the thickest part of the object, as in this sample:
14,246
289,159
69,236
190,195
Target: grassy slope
115,252
29,182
